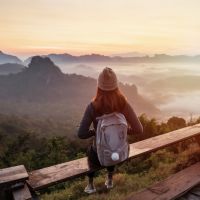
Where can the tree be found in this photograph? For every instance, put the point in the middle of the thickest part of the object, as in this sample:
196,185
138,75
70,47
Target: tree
176,123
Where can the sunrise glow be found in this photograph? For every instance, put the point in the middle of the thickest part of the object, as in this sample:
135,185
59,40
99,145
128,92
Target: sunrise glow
106,26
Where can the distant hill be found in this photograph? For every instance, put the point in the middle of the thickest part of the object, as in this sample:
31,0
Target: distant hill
10,68
67,58
157,58
6,58
43,90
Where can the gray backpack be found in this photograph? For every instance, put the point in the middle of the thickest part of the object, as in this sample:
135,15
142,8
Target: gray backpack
111,139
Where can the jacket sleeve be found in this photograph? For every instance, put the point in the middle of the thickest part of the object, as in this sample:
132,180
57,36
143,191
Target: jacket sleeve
84,131
132,119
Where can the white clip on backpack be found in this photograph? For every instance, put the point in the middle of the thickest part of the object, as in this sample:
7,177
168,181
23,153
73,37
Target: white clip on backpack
111,139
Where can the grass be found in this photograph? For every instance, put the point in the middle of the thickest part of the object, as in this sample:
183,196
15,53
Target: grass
129,177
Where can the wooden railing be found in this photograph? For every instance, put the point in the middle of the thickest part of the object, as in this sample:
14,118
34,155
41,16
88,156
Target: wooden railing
173,187
18,179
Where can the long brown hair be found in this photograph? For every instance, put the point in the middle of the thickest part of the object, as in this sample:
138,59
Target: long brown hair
108,101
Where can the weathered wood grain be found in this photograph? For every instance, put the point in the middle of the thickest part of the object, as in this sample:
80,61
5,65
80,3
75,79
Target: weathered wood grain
171,188
12,175
22,193
42,178
164,140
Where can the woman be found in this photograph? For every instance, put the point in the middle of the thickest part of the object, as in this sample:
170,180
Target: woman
108,99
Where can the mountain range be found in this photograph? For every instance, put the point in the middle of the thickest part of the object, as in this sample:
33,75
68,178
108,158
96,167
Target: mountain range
157,58
42,89
68,58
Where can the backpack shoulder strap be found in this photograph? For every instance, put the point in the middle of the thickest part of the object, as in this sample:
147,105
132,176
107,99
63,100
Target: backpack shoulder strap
113,118
105,116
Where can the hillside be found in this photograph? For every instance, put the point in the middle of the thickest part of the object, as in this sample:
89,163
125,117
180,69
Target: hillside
9,68
6,58
43,90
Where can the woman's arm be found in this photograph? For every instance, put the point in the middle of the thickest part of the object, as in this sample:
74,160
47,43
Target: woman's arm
132,119
84,131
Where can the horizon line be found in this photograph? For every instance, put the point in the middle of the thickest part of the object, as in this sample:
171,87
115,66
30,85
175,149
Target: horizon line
140,55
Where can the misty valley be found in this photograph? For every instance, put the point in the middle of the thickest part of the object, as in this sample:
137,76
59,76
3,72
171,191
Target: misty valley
174,88
170,84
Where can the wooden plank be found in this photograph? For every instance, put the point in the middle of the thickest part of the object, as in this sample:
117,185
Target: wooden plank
161,141
42,178
12,175
171,188
22,193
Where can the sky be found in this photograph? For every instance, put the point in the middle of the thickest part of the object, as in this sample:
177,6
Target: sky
106,27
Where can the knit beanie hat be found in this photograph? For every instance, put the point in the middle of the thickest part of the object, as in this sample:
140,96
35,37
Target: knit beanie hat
107,80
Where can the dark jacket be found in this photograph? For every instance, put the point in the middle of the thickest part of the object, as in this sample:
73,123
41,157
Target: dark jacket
90,115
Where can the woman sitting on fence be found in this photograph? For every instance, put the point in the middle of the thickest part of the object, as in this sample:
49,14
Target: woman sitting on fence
108,100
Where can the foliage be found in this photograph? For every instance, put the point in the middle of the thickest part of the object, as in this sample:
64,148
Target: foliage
31,142
176,123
